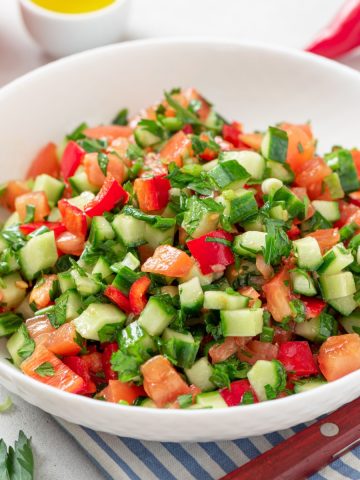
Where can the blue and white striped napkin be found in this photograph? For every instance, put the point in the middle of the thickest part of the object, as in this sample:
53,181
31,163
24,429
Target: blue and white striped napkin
127,459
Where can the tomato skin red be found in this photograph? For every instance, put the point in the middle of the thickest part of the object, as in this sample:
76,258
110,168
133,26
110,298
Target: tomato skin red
313,306
355,198
175,149
168,260
81,368
233,396
70,244
13,190
118,391
109,349
277,293
297,358
63,340
211,255
137,294
152,193
220,352
294,232
45,161
311,176
339,356
74,219
255,350
108,131
299,135
231,133
71,159
40,294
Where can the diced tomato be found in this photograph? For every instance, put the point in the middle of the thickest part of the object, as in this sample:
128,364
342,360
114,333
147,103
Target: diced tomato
264,268
145,252
13,190
56,227
120,146
94,362
152,193
40,294
339,356
110,195
252,140
294,232
115,167
281,335
297,358
110,132
63,340
301,146
212,255
118,391
233,396
36,199
137,294
70,244
187,128
169,261
81,368
348,213
39,328
355,198
162,383
277,293
326,238
231,133
117,297
109,349
220,352
249,292
176,149
46,161
311,176
356,157
71,159
209,153
62,378
256,350
313,306
73,218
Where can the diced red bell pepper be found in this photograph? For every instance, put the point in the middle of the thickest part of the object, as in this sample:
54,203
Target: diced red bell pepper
233,396
71,159
57,227
231,133
111,194
106,361
117,297
297,358
187,128
81,368
212,255
152,193
294,232
137,294
313,306
74,219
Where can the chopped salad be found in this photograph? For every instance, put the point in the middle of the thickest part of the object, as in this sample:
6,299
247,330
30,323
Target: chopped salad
175,260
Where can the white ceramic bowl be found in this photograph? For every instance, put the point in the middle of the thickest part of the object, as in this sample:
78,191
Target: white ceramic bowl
254,84
61,34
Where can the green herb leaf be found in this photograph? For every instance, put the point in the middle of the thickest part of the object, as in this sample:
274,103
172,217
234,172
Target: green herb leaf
185,400
247,399
277,243
152,127
185,115
300,147
225,372
28,346
103,161
9,323
46,369
298,309
93,144
14,237
121,118
30,213
222,241
21,460
109,332
134,152
155,220
77,134
270,392
4,466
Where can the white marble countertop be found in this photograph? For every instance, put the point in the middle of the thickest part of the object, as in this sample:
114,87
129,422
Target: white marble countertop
283,22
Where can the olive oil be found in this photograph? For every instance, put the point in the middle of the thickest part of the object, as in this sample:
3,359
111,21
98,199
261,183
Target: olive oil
73,6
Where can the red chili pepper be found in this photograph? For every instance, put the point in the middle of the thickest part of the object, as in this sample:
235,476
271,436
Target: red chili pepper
71,159
118,298
313,306
294,232
152,193
137,295
73,218
233,396
81,368
211,254
106,361
341,35
297,358
111,194
57,227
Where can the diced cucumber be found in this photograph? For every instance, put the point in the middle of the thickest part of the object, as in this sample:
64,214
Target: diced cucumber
101,230
144,138
199,218
125,277
337,286
274,145
249,243
308,253
129,230
344,305
218,300
10,258
342,162
102,267
240,205
191,296
211,400
55,215
135,339
12,220
3,244
80,183
254,223
66,281
156,316
199,374
335,260
147,403
180,347
294,206
279,212
241,323
130,261
195,272
229,174
52,187
38,254
73,304
308,384
95,317
81,200
351,323
20,345
267,373
282,171
155,237
302,283
253,162
85,284
329,210
332,182
317,329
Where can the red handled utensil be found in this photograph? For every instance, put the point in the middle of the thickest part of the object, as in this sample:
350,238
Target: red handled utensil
307,451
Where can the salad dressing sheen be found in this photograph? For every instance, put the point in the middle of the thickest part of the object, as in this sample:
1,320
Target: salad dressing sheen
73,6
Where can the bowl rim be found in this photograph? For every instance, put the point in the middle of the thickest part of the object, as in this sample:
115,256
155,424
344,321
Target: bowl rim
72,17
314,395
